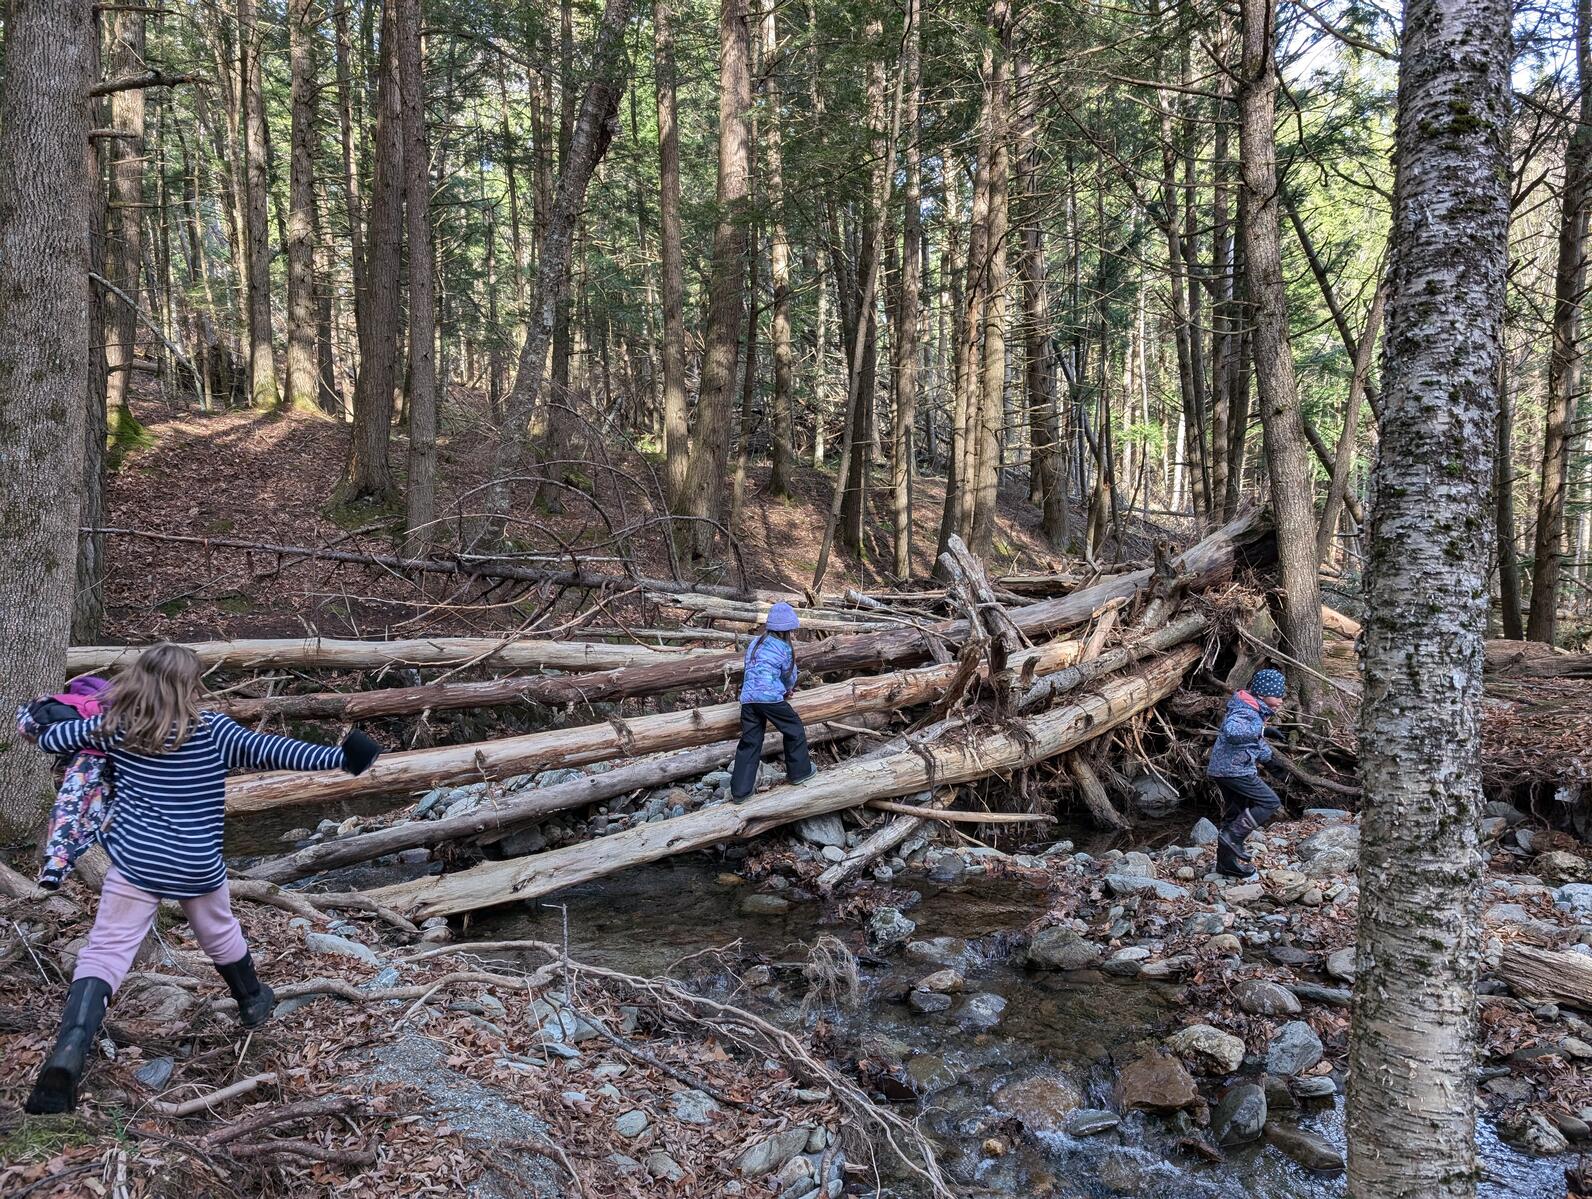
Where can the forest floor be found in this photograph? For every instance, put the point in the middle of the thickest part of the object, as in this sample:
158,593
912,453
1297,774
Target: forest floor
270,478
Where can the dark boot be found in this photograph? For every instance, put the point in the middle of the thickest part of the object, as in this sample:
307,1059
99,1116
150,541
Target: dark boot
255,999
1232,858
56,1087
1231,864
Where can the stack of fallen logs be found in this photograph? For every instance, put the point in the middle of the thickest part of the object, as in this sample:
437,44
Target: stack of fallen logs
1002,685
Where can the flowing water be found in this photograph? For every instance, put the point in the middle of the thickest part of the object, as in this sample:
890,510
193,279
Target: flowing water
661,919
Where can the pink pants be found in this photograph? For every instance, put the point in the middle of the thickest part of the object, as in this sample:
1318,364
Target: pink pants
126,914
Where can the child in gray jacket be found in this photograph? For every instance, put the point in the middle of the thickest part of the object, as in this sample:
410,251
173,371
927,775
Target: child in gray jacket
1247,802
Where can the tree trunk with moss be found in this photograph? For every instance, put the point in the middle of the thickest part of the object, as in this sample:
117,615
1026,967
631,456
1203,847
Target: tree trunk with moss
1411,1102
51,59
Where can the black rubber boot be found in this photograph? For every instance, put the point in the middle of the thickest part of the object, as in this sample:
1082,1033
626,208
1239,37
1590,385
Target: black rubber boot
1232,858
255,999
56,1087
1230,864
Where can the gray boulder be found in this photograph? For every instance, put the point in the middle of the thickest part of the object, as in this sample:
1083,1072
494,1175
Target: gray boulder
1062,949
1295,1049
1261,998
888,929
1240,1116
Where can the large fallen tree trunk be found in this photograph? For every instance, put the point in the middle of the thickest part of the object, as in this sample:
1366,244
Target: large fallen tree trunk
942,764
1204,564
415,769
330,653
492,821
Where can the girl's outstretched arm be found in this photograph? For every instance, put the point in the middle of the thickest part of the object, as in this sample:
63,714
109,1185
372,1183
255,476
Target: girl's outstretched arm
244,747
69,736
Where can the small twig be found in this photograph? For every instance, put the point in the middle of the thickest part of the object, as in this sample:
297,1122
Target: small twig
203,1103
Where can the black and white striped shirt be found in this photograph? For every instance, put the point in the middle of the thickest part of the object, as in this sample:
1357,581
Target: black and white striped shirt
168,810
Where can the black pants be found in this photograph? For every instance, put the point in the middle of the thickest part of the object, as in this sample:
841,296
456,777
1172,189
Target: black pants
754,718
1247,791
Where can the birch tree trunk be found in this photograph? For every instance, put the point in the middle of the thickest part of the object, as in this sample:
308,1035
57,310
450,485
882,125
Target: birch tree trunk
710,445
303,386
1411,1100
51,56
1565,358
263,391
676,414
1282,423
421,506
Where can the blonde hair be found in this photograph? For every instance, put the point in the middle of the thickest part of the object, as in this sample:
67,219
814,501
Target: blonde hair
153,705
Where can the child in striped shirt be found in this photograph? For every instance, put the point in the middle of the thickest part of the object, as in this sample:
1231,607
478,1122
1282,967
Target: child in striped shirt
164,840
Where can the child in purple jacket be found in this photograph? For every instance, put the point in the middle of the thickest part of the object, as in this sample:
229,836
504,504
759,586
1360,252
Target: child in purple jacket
769,678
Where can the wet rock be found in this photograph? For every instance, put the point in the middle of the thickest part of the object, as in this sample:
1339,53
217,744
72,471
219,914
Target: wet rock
1090,1121
155,1073
1062,949
759,904
888,929
693,1107
947,981
1124,1173
1309,1150
1154,796
1041,1102
1317,1086
823,830
632,1124
1573,1127
1168,967
342,947
1210,1049
1139,884
981,1012
929,1002
1335,836
1533,1133
1240,1117
1331,996
1340,964
769,1154
1204,833
930,1073
1136,863
1261,998
1561,867
1158,1082
940,951
1295,1049
947,870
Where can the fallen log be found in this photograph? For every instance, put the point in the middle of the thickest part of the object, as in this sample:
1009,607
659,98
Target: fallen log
493,821
1545,974
1045,690
329,653
416,769
943,763
919,812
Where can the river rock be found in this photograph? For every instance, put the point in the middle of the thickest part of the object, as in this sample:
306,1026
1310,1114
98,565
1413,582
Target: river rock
824,830
833,854
888,929
1331,996
1205,833
1577,897
1316,1086
1135,863
1309,1150
1154,796
1090,1121
155,1073
1334,836
759,904
1330,862
1293,1050
1059,948
693,1107
930,1073
1561,867
1261,998
940,951
1340,964
632,1124
1226,943
1245,893
770,1153
1532,1132
1240,1116
1210,1049
1041,1102
1286,886
1158,1082
929,1002
1330,815
330,943
981,1012
661,1165
948,982
1140,884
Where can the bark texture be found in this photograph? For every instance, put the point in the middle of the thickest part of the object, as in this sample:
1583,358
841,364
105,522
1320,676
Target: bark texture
676,415
45,192
1411,1104
263,390
420,498
124,221
303,386
1282,422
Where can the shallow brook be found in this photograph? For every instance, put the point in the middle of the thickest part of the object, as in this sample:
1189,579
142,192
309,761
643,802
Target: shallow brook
1073,1031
